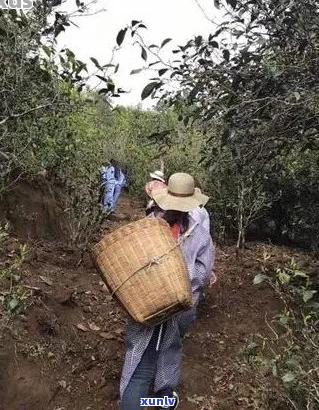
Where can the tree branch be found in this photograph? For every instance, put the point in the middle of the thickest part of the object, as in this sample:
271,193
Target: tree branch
22,114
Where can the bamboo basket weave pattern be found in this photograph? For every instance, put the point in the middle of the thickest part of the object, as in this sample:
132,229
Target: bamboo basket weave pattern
143,267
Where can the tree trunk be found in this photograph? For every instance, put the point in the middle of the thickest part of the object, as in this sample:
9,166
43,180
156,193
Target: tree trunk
240,225
162,165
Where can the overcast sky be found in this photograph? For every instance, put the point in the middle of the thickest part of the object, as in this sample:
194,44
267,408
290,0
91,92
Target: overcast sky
96,34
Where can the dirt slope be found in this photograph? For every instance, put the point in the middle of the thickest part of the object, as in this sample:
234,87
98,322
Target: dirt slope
67,351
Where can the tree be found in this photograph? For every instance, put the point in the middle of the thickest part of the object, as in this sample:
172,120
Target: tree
39,89
255,80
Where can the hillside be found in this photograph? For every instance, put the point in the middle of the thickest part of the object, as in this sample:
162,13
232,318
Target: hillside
66,350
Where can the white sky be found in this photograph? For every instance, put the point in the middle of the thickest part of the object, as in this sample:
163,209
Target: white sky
96,35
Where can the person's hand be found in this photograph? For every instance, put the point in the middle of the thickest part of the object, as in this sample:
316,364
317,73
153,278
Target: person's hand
213,280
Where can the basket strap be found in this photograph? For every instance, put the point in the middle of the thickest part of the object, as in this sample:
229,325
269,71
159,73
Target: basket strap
159,337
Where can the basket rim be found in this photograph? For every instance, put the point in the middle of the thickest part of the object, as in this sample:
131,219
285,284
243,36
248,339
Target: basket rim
96,247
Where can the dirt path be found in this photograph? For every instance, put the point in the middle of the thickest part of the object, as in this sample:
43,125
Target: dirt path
67,351
229,320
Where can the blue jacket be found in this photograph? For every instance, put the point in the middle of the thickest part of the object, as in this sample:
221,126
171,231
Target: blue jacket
122,180
108,175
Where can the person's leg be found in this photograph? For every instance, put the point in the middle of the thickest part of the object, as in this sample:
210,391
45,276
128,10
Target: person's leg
185,319
108,197
116,196
142,378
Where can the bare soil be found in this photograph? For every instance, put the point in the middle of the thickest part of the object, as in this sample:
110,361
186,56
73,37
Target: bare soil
66,351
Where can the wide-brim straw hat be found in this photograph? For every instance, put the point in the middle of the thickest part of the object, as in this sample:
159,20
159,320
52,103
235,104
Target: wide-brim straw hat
180,194
159,175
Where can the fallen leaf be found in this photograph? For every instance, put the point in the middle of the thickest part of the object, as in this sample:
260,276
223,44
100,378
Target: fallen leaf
82,327
108,335
46,280
63,384
108,298
35,288
94,327
191,400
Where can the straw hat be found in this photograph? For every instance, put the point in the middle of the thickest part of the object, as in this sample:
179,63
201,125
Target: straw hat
157,175
180,194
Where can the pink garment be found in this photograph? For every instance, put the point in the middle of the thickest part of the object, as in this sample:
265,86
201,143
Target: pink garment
154,186
176,230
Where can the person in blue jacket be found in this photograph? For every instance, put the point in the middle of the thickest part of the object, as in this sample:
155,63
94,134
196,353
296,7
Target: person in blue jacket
113,181
120,183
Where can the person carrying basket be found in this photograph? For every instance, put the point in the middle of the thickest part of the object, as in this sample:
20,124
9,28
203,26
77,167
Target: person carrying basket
157,182
154,354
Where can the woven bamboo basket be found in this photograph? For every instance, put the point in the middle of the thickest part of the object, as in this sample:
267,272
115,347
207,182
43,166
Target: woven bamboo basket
144,269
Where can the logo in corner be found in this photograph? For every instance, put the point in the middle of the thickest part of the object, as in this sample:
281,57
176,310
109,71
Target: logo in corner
16,4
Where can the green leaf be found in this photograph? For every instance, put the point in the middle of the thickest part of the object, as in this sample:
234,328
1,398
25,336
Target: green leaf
134,22
47,50
138,70
103,91
274,370
299,273
308,294
162,71
96,63
167,40
260,278
13,305
226,55
214,44
283,277
198,41
147,91
111,87
120,36
283,319
296,95
102,78
288,377
232,3
144,54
